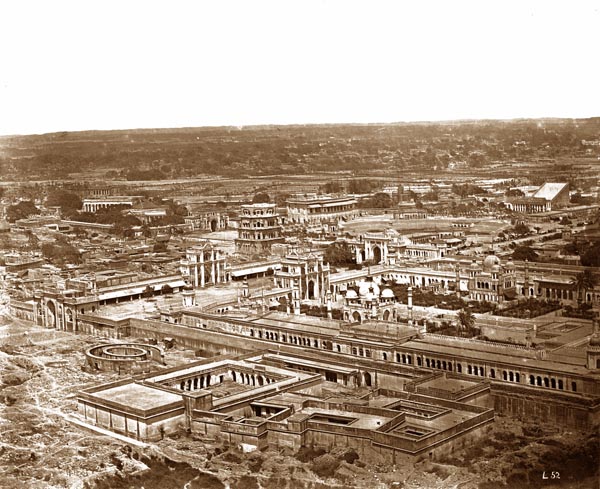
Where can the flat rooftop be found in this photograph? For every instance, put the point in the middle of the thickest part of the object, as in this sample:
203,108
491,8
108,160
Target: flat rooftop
138,396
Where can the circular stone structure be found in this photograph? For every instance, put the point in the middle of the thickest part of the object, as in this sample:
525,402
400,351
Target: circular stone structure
124,358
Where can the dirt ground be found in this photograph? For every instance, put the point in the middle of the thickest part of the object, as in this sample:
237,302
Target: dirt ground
41,371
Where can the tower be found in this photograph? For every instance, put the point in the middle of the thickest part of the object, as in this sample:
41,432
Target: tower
457,279
189,298
410,306
329,307
245,289
526,279
259,229
296,298
593,349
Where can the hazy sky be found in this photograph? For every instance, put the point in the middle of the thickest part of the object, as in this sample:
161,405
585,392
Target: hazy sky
74,65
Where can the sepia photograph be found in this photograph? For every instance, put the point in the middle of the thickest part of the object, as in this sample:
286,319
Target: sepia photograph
319,244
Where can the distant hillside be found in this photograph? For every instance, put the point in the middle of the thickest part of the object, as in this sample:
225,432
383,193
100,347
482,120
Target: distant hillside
264,150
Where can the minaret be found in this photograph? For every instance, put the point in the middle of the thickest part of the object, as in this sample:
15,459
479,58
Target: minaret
593,349
410,306
526,279
457,279
329,307
245,289
296,298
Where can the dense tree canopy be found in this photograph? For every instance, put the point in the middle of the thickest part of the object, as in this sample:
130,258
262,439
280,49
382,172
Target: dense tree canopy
22,210
67,201
380,200
261,198
523,253
339,254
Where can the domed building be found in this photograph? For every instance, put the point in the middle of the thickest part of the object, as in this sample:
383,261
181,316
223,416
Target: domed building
491,281
370,302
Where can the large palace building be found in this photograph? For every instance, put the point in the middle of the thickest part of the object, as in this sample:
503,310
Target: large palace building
317,210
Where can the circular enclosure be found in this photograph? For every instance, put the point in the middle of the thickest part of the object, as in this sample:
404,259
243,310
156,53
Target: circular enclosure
124,357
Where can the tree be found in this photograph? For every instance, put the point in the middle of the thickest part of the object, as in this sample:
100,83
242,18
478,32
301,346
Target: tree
67,201
339,254
332,188
584,281
22,210
521,229
166,289
523,253
514,192
466,320
148,292
261,198
380,200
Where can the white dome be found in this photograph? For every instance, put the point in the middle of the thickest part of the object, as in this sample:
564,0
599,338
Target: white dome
490,261
351,294
387,294
364,287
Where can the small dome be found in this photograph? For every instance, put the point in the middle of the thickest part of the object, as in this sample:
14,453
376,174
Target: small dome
496,268
489,262
387,294
351,294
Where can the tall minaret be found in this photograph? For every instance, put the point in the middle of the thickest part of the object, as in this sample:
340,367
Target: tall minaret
593,349
457,279
526,279
296,298
410,306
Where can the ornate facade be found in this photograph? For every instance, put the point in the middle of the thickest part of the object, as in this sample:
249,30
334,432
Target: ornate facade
259,229
204,265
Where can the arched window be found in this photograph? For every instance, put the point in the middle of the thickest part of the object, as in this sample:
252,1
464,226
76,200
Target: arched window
517,377
531,380
459,368
492,373
504,376
384,355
